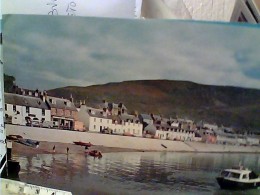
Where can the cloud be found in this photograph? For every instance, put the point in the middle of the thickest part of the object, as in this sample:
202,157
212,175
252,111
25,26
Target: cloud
62,51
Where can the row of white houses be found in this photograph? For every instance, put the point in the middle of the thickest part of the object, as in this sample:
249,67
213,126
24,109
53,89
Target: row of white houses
112,118
97,120
41,110
19,107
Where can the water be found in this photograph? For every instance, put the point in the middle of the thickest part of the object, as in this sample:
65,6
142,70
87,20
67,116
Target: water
134,173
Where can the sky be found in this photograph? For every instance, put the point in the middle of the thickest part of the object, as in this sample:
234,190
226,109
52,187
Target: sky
46,52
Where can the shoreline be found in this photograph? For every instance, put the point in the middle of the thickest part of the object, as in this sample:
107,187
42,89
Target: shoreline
111,143
61,148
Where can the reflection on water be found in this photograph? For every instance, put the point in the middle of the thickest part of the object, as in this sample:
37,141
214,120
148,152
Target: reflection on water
133,173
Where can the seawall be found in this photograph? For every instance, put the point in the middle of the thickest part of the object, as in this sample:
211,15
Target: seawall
147,144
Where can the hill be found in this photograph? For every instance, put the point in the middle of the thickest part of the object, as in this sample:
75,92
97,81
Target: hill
231,106
8,83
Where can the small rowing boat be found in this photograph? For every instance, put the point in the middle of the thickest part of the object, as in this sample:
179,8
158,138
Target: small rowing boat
83,144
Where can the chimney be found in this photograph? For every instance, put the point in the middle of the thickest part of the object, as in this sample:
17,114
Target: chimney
36,93
71,98
44,97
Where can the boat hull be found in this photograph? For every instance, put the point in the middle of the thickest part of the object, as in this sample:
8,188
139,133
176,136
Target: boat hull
83,144
236,185
94,154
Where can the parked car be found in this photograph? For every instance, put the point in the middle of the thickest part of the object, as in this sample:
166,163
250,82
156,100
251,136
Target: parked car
35,122
107,131
48,124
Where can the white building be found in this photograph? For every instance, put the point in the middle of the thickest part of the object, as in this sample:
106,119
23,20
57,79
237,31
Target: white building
122,124
20,107
205,10
253,141
170,133
84,114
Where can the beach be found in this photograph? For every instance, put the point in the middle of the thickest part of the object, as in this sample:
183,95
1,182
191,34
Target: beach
111,143
61,148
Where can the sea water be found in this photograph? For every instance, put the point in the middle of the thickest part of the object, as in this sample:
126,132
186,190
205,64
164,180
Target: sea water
134,172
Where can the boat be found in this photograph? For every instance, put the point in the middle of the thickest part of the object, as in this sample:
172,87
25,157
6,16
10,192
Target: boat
83,144
163,146
14,137
128,134
29,142
238,178
94,153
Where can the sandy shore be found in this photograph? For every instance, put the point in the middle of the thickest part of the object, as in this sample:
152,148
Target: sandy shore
111,143
61,148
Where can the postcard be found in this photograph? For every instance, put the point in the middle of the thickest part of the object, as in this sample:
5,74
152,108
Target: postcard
121,106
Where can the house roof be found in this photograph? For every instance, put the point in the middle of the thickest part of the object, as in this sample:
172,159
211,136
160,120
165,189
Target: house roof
146,116
87,109
114,105
150,128
60,103
21,100
127,116
97,114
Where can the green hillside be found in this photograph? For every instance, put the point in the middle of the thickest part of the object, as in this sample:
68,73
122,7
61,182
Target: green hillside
232,106
8,83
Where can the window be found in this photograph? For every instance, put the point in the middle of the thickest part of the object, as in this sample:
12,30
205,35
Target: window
5,107
27,109
14,108
253,175
94,126
43,112
234,175
245,176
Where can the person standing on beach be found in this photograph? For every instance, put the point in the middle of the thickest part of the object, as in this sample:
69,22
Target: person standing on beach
68,150
53,149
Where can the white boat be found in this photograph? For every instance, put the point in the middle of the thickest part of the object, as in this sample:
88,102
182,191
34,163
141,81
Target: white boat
238,178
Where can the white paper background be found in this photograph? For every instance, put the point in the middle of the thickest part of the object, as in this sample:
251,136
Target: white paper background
97,8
